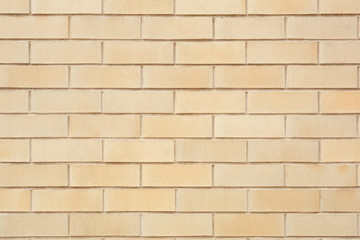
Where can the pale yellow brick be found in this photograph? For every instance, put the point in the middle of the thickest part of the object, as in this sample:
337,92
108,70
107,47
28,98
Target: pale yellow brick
14,52
66,6
104,225
285,200
184,175
202,200
210,151
321,225
339,52
33,175
249,175
139,6
140,200
14,101
105,27
321,126
104,126
249,28
249,126
322,77
65,52
249,225
14,151
210,52
23,225
340,151
66,200
177,225
250,77
282,7
339,7
210,7
177,126
138,52
283,151
14,6
138,151
320,175
104,175
282,52
105,77
340,200
340,102
66,150
14,200
177,77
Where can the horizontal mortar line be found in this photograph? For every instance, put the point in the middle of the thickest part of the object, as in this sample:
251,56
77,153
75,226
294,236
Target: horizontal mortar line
183,138
282,187
177,64
183,15
42,163
179,212
210,89
155,40
176,114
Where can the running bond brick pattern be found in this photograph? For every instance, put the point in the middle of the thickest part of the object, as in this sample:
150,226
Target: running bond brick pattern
179,119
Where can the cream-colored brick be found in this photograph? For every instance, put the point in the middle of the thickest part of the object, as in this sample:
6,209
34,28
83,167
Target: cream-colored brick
282,7
339,7
14,151
339,200
104,126
340,151
210,52
66,150
105,27
210,7
321,126
285,200
339,52
177,225
65,52
210,151
139,6
282,52
14,101
138,52
283,151
66,6
321,225
14,6
138,151
250,77
66,200
177,77
249,175
249,126
33,175
320,175
340,102
14,200
105,77
14,52
140,200
104,175
249,225
203,200
322,76
104,225
249,28
184,175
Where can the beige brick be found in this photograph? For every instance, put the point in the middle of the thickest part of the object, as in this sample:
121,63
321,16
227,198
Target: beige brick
33,175
14,6
14,151
339,200
282,7
320,175
282,52
249,225
177,77
14,52
249,28
322,77
14,200
285,200
104,175
223,200
66,150
184,175
249,126
105,77
66,200
210,7
104,126
210,151
249,175
105,27
321,225
321,126
340,151
283,151
339,7
340,102
14,101
65,52
66,6
322,27
22,225
138,52
138,151
139,6
104,225
177,225
33,126
339,52
210,52
250,77
140,200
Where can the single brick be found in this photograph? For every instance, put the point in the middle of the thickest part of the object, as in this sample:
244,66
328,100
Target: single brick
339,7
339,52
14,52
15,200
340,151
282,7
139,6
210,7
339,200
66,6
14,102
14,6
340,102
14,151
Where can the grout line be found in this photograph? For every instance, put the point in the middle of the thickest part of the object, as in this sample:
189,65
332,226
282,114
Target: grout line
174,54
141,224
102,150
318,52
102,53
102,101
68,222
246,7
68,126
213,126
102,6
246,53
174,102
30,7
31,200
29,52
141,126
212,175
69,27
318,7
176,201
320,200
213,28
285,224
141,28
175,158
285,125
247,150
286,76
103,200
68,175
248,200
285,27
29,101
174,10
141,173
246,102
141,77
213,225
69,76
319,150
319,101
213,77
